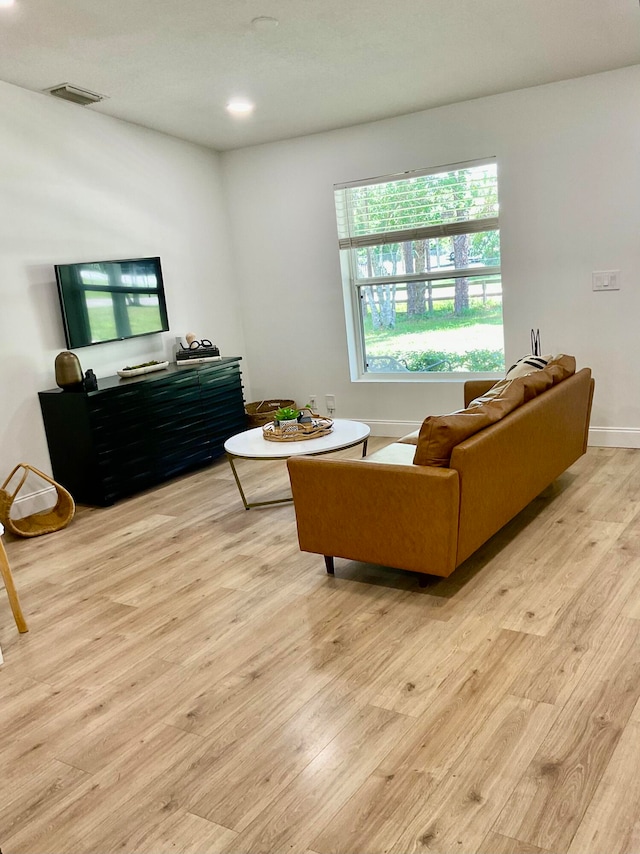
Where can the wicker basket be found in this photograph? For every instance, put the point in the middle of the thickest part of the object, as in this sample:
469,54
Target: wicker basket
261,412
38,523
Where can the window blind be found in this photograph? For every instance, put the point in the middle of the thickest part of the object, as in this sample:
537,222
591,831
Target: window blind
418,206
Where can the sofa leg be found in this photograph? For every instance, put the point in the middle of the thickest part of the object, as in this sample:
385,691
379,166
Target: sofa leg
423,579
328,562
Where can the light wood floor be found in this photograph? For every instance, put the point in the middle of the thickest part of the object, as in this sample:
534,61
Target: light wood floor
193,683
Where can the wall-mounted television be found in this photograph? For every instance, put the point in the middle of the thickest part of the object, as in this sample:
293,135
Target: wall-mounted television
111,300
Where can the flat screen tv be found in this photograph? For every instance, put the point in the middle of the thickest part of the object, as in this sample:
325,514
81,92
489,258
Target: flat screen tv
111,300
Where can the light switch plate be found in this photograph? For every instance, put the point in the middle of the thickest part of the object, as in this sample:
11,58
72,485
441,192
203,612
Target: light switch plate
605,280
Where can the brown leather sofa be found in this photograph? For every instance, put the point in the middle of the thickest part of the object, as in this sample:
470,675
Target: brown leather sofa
428,519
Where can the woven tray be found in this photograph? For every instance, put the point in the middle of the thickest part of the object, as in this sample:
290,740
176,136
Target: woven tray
318,427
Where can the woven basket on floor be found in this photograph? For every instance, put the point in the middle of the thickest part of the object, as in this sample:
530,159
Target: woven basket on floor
261,412
46,522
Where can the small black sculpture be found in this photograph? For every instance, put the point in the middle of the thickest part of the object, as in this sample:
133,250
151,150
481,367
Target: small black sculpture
90,381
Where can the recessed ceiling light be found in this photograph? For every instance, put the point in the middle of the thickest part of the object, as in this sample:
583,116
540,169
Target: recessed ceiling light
6,3
240,107
264,22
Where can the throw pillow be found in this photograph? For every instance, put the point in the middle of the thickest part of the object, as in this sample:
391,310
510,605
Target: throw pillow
527,365
440,434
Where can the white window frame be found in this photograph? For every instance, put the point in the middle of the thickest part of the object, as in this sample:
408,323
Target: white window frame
351,283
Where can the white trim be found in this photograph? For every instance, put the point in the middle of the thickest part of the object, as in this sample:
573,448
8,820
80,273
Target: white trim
418,173
614,437
432,276
426,377
392,429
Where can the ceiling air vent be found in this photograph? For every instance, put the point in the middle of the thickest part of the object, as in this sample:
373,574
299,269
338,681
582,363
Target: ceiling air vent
75,94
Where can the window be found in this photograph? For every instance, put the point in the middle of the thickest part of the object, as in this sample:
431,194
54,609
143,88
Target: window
420,254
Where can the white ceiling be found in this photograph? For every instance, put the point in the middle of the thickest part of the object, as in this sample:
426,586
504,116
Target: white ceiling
173,66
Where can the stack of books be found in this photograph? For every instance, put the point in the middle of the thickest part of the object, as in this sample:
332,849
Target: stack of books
187,358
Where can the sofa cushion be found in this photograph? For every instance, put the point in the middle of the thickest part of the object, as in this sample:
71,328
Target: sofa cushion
496,390
439,434
396,453
410,438
562,367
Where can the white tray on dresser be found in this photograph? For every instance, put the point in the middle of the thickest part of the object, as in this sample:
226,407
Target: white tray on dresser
146,369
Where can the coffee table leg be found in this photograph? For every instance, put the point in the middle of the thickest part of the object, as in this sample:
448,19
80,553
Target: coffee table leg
248,506
238,484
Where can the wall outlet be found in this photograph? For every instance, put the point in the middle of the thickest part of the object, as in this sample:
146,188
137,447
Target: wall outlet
313,402
331,403
605,280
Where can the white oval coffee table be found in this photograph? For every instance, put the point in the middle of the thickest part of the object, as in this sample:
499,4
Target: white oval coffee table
251,445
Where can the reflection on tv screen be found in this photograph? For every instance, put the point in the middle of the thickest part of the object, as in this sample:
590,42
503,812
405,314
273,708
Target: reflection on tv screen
111,300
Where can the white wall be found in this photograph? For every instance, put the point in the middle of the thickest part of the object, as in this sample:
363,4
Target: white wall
78,186
569,175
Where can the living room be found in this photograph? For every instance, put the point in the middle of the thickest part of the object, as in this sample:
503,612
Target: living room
247,238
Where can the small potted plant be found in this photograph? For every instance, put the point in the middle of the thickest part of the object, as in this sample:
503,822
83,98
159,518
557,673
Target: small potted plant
286,418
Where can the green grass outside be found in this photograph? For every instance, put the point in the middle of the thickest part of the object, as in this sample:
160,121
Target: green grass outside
470,342
442,318
141,318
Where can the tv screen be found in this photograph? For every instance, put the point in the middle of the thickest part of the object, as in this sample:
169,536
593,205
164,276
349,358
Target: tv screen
111,300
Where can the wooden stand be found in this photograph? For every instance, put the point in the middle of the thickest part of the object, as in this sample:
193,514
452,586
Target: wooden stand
7,577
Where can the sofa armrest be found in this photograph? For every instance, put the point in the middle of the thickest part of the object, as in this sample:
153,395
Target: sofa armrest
404,516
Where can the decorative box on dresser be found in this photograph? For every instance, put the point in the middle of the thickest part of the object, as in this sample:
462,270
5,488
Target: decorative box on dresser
132,433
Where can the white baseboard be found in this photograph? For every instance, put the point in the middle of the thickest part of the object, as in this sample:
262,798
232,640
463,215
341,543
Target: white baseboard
393,429
34,502
602,437
614,437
